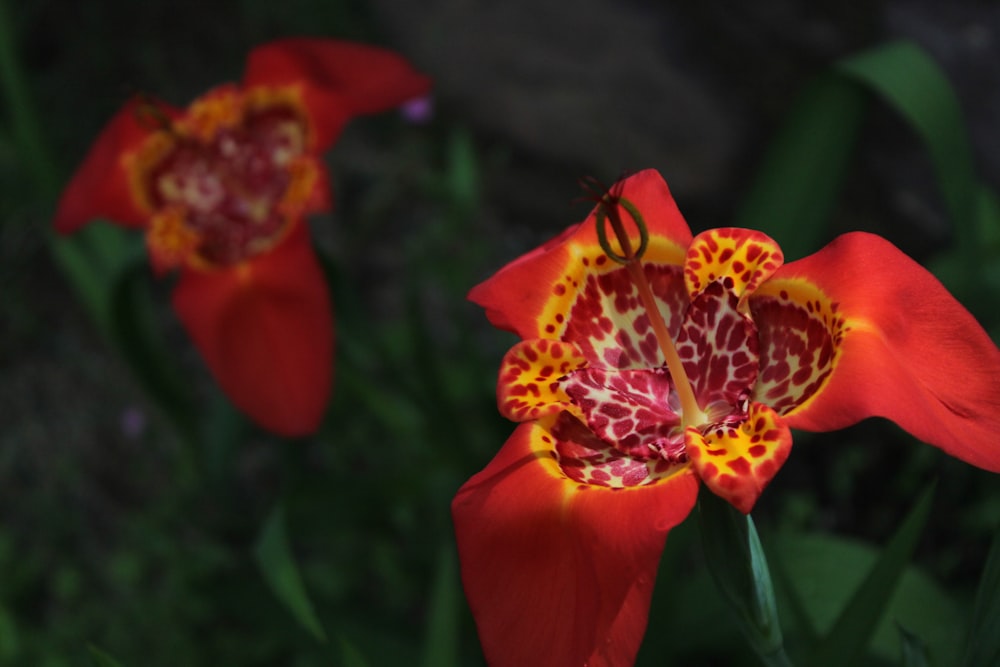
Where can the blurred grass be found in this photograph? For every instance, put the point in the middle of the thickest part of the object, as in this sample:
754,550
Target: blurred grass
102,544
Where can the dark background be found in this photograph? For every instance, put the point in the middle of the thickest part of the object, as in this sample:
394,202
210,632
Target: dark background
96,541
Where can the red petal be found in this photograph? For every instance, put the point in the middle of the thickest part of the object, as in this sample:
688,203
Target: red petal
100,188
518,296
909,351
559,573
340,79
265,329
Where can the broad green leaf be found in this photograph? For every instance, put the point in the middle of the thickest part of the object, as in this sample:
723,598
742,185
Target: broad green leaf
739,567
101,659
802,171
982,647
274,557
909,79
914,651
859,618
442,637
824,571
799,178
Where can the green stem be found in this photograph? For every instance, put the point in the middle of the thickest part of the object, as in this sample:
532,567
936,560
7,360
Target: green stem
779,659
27,132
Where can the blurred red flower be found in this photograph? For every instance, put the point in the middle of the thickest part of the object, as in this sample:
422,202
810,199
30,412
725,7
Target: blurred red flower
221,189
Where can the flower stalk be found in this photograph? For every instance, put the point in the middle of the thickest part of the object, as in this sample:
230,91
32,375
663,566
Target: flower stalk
608,211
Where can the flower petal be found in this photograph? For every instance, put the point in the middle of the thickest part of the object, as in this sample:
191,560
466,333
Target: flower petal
741,258
635,410
559,573
340,80
799,331
265,329
736,461
534,295
906,351
101,186
718,345
528,387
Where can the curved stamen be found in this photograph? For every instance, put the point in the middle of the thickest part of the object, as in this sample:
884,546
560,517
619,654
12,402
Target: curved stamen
691,412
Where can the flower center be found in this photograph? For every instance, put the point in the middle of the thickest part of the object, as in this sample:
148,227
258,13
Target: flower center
638,411
609,209
226,181
703,377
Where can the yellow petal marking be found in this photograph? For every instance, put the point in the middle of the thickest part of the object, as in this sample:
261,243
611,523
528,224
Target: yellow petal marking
736,461
741,258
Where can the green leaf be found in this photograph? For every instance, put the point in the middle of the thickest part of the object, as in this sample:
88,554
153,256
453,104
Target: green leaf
101,659
908,79
982,647
19,109
133,330
10,645
859,618
441,640
985,292
824,571
739,567
799,178
801,174
92,260
274,557
988,218
914,651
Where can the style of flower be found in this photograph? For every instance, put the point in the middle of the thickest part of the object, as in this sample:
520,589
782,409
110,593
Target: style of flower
652,361
221,189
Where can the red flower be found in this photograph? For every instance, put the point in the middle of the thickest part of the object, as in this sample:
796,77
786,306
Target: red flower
560,536
222,188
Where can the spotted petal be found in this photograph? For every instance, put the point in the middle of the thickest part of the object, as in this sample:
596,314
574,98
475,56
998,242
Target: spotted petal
718,346
560,573
741,258
736,461
265,329
632,409
529,386
887,340
340,80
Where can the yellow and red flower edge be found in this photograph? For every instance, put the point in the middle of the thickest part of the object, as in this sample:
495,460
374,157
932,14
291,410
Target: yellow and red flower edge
560,535
221,189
